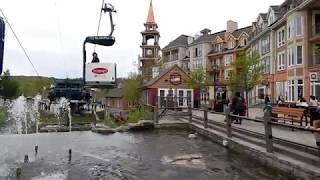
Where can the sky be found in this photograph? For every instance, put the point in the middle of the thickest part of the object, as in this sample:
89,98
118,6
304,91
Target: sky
53,31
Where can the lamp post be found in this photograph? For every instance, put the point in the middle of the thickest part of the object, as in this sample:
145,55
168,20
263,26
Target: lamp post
214,68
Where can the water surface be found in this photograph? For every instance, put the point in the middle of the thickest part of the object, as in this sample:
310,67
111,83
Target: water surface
124,156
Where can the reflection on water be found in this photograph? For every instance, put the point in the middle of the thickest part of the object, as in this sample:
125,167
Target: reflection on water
124,156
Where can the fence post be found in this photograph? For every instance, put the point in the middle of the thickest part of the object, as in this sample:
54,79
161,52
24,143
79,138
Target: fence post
205,116
268,131
228,122
156,113
190,113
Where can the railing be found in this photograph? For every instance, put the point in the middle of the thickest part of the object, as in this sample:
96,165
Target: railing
268,123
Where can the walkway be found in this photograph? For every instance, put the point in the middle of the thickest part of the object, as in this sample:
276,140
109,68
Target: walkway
301,137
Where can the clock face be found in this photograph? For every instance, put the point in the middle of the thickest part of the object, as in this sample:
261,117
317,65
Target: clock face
149,52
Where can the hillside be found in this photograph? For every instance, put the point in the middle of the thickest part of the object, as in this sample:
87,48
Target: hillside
31,85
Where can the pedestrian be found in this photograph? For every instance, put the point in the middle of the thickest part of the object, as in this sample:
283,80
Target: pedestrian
316,126
237,107
266,100
313,101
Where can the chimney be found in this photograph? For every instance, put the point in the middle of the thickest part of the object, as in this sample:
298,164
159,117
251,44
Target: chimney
231,26
205,31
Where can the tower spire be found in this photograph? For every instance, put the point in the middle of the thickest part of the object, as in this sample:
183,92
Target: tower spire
150,19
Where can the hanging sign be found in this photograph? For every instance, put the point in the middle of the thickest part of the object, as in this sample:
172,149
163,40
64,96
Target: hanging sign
101,72
175,79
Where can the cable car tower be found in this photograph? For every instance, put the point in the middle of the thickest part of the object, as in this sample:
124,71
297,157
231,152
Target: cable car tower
97,74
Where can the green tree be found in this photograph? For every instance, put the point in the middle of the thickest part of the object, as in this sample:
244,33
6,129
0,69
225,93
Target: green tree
198,79
132,89
8,88
246,73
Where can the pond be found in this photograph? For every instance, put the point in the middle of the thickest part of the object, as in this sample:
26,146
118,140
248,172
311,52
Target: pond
152,155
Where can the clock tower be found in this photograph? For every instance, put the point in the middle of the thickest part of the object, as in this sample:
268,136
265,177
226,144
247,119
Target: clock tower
150,47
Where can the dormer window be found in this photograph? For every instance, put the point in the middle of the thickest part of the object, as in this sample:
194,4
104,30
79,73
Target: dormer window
231,44
243,42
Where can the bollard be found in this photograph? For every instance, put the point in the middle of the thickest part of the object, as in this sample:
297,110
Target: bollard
268,131
190,113
26,158
228,122
205,116
70,154
36,149
18,172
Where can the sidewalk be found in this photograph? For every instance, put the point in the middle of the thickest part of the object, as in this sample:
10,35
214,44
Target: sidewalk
297,136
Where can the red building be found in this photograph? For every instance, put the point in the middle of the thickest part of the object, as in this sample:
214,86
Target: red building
170,88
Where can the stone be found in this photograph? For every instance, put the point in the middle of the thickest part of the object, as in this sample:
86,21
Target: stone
103,130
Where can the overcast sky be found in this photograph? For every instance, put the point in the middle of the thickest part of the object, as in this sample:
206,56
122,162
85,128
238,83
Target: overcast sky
52,31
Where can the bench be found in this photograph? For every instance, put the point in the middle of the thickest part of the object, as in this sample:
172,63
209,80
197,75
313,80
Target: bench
288,114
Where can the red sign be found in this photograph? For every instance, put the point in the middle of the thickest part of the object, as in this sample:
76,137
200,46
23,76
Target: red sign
100,71
175,79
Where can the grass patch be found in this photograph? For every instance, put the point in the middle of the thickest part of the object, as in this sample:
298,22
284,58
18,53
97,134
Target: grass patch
139,114
83,118
47,118
111,123
101,115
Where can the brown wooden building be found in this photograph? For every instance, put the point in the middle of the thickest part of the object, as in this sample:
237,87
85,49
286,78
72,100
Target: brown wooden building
171,84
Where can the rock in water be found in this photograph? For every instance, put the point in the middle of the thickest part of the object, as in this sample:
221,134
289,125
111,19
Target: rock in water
192,136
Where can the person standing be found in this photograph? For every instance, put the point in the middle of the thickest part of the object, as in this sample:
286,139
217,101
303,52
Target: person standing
316,126
266,100
237,107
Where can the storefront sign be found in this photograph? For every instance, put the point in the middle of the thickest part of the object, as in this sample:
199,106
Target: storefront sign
175,79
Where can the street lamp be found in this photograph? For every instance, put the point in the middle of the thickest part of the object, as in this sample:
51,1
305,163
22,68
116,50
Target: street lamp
215,69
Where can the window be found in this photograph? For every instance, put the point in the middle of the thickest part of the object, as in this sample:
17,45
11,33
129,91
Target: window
317,23
316,54
227,73
228,60
281,61
300,88
295,27
299,55
295,89
315,89
197,52
270,20
281,37
265,45
291,90
291,57
197,64
281,90
299,25
266,65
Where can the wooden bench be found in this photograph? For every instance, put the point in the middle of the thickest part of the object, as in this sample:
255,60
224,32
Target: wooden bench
288,114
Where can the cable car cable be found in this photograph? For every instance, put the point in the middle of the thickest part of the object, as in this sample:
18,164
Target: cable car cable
99,22
21,46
